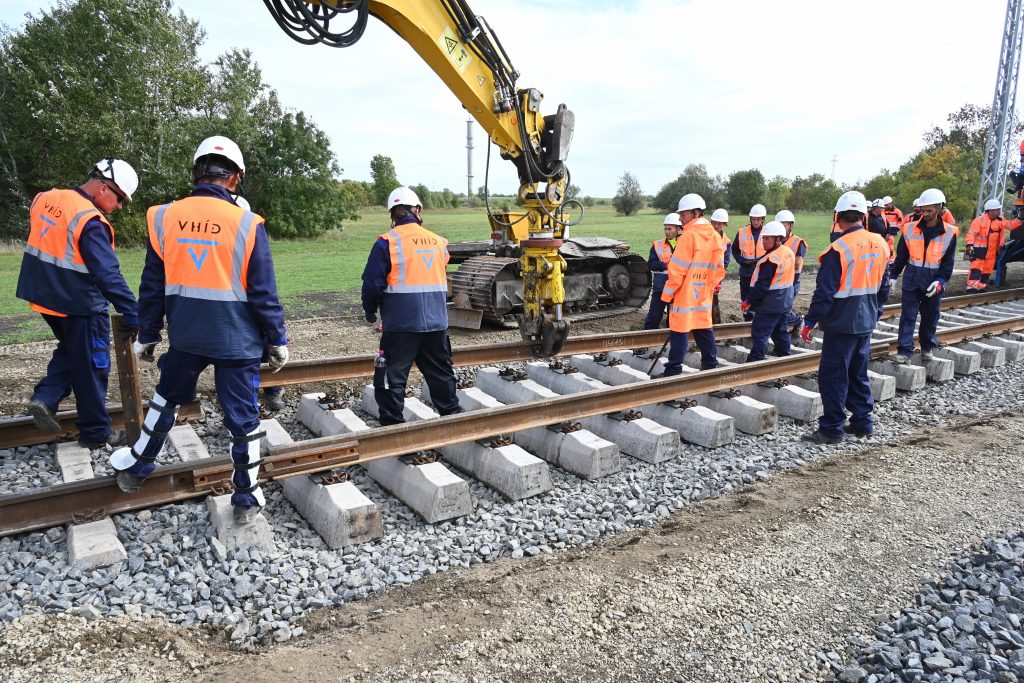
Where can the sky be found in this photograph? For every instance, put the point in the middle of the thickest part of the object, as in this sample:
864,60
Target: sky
781,86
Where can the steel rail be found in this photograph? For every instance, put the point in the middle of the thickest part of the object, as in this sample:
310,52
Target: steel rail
79,501
350,367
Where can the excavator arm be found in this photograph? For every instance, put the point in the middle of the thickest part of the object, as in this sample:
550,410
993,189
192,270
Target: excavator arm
461,49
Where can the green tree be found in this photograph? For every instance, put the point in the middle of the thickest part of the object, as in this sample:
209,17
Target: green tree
425,195
743,189
630,198
813,193
777,193
572,192
385,178
881,185
694,178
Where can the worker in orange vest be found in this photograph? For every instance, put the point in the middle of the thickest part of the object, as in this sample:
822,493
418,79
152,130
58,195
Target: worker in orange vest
851,289
405,279
770,296
720,221
799,248
69,272
695,269
657,261
926,250
210,273
985,238
747,249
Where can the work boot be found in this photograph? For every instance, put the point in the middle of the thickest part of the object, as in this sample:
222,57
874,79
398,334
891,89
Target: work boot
274,401
44,418
129,483
927,356
857,431
117,437
246,516
820,437
900,359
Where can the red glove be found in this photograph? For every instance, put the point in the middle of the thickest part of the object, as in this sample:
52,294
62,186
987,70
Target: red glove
745,306
718,288
805,333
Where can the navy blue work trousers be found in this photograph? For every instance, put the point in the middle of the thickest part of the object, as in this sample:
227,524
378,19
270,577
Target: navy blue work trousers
745,274
656,313
915,302
765,325
432,353
679,344
843,382
80,363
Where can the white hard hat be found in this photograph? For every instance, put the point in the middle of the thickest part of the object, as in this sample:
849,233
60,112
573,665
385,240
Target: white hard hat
877,204
785,216
774,229
242,202
758,211
931,196
222,146
120,172
691,201
852,201
720,216
993,204
673,219
917,202
403,196
886,200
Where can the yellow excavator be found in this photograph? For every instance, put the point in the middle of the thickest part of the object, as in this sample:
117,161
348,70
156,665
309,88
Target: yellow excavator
463,51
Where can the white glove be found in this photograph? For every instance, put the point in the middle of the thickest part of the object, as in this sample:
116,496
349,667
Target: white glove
144,351
933,289
277,357
892,283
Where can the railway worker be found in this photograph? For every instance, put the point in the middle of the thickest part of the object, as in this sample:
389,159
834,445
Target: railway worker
209,270
747,249
696,268
770,296
914,215
69,272
657,261
720,221
405,278
893,216
985,238
799,248
851,289
926,250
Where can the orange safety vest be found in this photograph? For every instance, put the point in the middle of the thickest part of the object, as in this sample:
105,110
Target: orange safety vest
893,217
947,217
794,242
748,245
987,234
913,236
54,222
863,256
696,267
418,260
785,267
663,250
205,243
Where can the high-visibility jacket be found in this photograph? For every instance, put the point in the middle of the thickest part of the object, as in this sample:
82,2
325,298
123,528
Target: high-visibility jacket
923,263
695,269
947,217
726,247
749,247
205,244
54,277
414,300
657,261
779,294
855,306
986,236
795,243
893,217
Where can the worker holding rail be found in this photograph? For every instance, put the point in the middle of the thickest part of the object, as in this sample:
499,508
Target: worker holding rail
851,289
657,261
694,271
209,271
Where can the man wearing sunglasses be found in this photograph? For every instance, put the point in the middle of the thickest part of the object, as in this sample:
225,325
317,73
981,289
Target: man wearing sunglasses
68,274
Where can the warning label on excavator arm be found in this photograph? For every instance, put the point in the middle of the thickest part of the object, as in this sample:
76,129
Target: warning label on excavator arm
455,50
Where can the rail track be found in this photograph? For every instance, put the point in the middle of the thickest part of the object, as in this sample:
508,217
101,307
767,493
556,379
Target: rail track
93,499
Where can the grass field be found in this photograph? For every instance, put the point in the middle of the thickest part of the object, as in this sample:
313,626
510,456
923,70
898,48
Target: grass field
316,277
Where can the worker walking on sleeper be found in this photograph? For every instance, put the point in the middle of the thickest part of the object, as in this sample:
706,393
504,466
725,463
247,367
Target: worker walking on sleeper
849,294
209,271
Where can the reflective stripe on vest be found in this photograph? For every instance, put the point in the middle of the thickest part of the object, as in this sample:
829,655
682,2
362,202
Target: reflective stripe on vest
53,236
785,270
692,309
748,245
794,242
418,260
207,256
914,238
662,250
863,256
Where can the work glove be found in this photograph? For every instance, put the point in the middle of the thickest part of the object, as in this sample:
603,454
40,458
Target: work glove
745,306
969,252
892,282
144,351
933,289
718,288
805,333
277,356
